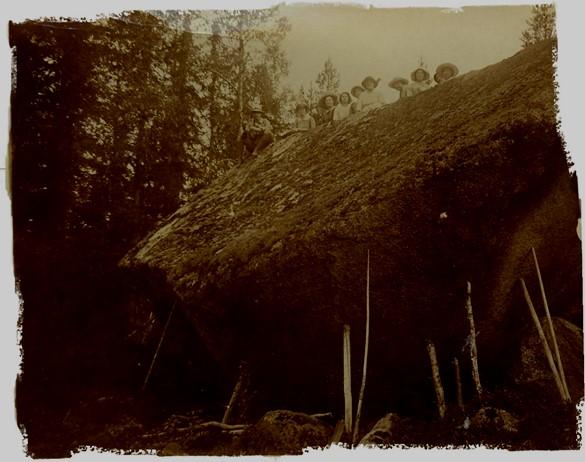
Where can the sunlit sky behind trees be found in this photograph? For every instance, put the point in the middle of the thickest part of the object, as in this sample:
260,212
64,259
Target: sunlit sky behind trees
389,42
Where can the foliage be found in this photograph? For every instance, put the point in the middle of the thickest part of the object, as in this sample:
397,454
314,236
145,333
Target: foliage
115,123
310,95
246,63
541,25
328,79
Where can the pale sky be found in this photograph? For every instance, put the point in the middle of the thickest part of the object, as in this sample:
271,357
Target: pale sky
388,42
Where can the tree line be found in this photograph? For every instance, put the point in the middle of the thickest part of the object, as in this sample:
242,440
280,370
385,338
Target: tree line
114,124
124,117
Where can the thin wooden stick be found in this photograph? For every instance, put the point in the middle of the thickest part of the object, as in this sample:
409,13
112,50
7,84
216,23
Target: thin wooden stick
551,328
472,343
337,432
219,425
365,368
458,384
439,392
160,342
229,429
235,394
347,379
547,351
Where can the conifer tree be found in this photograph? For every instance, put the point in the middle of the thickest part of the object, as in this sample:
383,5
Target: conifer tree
541,25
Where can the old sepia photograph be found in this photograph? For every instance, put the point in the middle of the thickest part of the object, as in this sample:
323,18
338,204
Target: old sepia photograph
263,231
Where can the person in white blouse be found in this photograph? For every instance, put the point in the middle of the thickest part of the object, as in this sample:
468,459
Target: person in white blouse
356,92
343,109
325,108
370,98
420,82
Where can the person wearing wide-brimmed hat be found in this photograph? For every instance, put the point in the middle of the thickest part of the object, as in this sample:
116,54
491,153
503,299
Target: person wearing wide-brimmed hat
343,108
356,92
325,108
399,84
445,72
370,98
303,120
420,82
257,133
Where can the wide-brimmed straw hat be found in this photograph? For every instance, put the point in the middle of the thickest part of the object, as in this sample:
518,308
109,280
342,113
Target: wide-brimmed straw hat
369,77
413,74
444,66
322,99
353,90
395,81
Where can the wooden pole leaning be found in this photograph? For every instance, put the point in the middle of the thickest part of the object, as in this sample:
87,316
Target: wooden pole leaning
439,392
365,366
459,388
473,343
543,340
160,342
348,420
551,328
337,432
237,392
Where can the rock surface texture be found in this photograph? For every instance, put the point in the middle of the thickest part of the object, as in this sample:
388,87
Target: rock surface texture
285,432
454,184
531,366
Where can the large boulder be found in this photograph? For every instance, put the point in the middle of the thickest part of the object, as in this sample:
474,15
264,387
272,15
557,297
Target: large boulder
454,184
493,420
285,432
531,366
382,433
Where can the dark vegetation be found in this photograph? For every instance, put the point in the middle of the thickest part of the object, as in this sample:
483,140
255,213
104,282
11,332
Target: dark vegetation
114,124
119,122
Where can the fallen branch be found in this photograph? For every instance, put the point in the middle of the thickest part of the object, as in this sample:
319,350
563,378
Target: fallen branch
543,340
220,426
367,342
551,328
213,425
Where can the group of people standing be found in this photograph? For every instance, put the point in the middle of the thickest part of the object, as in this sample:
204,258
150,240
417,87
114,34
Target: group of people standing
332,108
366,96
421,79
